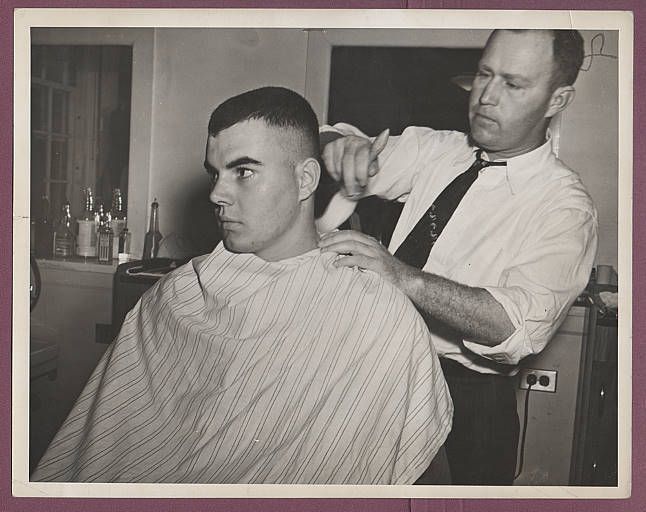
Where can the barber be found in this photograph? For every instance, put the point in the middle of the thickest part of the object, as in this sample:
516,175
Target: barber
496,240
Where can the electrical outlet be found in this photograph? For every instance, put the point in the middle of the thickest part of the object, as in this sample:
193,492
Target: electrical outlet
545,379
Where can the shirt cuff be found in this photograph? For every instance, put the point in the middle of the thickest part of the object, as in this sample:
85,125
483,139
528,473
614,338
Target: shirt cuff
337,212
343,129
518,344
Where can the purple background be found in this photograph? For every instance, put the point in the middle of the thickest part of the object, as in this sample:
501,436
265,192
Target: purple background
638,500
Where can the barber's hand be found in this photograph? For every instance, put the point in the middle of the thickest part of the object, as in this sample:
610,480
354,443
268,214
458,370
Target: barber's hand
360,250
352,160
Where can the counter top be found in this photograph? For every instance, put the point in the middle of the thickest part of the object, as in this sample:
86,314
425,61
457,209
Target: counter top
80,264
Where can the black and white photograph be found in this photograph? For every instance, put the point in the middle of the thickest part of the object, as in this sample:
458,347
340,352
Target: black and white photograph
322,253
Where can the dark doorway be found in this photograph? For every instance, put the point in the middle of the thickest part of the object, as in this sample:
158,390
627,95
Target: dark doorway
380,87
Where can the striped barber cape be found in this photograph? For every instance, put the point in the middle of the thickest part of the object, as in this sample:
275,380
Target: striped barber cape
232,369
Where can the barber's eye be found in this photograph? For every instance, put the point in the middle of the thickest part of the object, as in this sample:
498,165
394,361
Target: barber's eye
244,173
512,85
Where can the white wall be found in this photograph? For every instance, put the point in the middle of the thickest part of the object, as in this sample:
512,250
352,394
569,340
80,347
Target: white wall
589,138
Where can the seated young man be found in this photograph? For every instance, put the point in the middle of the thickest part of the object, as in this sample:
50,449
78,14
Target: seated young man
261,362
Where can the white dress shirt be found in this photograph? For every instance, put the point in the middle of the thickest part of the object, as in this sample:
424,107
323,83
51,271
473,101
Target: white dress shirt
525,232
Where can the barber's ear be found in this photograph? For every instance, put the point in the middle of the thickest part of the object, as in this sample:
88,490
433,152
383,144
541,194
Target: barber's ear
308,173
560,100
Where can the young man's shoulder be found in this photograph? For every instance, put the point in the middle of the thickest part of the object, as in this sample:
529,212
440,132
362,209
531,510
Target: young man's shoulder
367,284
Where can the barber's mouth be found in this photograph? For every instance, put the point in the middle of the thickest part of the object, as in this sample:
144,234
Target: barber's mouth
484,119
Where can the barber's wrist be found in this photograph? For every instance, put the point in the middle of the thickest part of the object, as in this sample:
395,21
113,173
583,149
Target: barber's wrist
411,281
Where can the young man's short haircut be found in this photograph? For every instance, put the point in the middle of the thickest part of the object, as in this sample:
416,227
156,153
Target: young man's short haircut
277,106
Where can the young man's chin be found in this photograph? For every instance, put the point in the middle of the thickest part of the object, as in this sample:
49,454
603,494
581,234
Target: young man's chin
237,246
231,247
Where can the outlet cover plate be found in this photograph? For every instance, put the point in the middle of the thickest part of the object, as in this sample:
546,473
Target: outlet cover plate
551,374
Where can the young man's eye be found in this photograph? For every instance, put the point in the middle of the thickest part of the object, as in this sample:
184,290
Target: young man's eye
213,175
512,85
244,173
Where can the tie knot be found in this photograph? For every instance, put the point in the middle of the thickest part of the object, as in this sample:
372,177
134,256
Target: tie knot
482,163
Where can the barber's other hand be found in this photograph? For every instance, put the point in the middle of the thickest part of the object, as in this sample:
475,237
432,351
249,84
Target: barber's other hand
359,250
352,160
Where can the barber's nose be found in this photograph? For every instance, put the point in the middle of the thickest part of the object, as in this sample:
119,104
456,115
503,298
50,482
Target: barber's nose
490,94
221,193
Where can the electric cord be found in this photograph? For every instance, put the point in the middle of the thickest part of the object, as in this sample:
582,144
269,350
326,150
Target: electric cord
531,380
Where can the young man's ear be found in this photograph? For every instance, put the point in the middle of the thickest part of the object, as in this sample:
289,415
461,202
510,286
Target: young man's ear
561,98
308,173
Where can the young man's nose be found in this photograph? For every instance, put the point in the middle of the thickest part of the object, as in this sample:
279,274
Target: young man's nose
220,193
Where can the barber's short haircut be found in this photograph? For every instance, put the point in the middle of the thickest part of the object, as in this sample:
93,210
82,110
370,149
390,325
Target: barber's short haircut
277,106
567,49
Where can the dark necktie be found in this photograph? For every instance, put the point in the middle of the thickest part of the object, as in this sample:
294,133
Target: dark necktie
419,242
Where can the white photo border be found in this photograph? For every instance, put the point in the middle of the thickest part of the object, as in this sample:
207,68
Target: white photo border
25,19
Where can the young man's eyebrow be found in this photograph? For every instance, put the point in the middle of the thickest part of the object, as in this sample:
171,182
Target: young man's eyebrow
244,160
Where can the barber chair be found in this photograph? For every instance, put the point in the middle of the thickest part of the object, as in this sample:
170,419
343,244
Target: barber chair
130,282
43,355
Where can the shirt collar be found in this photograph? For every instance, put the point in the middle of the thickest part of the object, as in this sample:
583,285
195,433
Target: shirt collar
519,169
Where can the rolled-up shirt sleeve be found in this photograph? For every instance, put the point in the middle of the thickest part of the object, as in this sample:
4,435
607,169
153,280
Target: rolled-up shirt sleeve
399,164
542,281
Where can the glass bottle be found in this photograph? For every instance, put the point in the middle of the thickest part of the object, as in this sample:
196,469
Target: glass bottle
118,219
124,244
104,240
153,236
86,241
43,231
98,215
64,238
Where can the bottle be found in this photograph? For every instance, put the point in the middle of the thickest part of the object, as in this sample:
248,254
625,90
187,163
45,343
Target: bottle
43,231
86,242
64,238
99,212
104,240
153,237
118,220
124,245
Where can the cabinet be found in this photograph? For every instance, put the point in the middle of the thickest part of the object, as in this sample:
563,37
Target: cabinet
551,419
75,298
594,459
